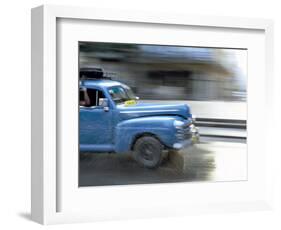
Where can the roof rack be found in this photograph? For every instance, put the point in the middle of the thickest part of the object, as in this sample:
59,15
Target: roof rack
93,73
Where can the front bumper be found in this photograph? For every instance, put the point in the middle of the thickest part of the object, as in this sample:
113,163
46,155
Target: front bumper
195,137
182,144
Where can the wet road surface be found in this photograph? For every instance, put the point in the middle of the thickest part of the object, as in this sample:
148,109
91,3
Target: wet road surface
209,160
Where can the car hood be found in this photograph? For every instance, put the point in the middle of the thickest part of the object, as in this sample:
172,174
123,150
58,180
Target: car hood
149,109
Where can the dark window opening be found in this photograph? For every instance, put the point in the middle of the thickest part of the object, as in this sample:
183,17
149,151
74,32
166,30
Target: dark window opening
90,97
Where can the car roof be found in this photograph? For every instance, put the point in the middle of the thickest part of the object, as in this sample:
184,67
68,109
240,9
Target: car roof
99,82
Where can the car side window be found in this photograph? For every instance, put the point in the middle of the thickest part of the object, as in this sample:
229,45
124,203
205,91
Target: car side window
90,97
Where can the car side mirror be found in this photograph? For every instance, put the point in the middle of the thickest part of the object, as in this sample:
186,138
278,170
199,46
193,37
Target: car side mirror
103,102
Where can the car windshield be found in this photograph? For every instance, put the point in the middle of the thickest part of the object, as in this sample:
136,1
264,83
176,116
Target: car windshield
121,93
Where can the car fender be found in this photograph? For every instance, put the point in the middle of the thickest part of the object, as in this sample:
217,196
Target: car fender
129,130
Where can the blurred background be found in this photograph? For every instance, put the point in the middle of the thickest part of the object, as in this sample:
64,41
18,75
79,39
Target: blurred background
207,78
172,72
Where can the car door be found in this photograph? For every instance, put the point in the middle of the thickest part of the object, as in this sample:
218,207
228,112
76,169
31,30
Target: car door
95,122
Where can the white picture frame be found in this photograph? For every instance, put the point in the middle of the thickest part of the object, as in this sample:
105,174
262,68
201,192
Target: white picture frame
47,184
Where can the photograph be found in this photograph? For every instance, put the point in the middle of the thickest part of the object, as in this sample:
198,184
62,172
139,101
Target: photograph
156,113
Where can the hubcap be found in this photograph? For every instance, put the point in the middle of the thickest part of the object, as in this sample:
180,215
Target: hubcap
147,152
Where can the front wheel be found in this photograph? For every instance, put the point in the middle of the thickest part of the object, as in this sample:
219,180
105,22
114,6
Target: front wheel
148,152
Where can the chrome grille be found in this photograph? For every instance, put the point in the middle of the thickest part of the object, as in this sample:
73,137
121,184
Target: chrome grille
184,133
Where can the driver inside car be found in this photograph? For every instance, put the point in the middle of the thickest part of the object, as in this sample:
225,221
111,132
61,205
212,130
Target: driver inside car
84,98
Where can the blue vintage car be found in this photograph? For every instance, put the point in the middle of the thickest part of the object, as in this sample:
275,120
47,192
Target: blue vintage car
113,120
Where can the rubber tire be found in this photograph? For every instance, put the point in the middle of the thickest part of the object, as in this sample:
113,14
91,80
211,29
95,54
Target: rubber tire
147,152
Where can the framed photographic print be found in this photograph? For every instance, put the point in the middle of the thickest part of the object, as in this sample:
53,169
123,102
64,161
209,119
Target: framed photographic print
137,114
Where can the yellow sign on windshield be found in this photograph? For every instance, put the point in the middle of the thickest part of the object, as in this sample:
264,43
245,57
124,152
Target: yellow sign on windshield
130,103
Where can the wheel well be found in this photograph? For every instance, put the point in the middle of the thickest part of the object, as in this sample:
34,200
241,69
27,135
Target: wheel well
138,136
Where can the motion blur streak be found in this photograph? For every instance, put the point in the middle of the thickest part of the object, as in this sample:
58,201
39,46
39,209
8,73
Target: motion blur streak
157,72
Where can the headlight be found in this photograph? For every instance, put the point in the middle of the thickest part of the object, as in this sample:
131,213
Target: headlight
178,124
193,118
